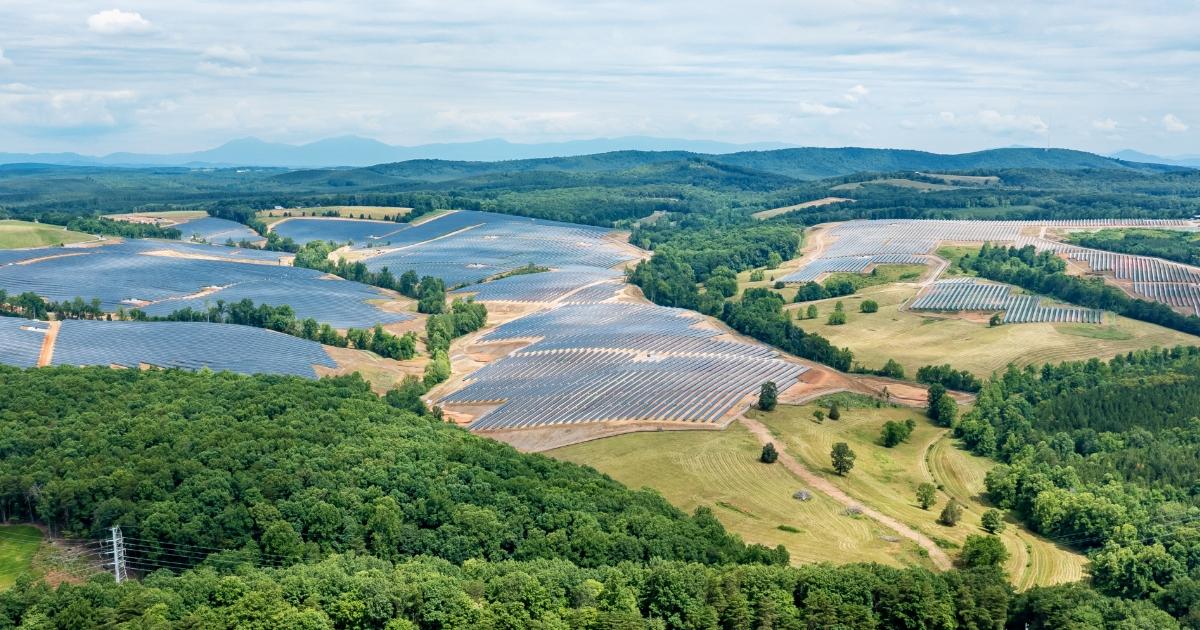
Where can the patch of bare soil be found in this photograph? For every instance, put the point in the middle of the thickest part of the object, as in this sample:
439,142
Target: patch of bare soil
46,355
283,260
816,203
43,258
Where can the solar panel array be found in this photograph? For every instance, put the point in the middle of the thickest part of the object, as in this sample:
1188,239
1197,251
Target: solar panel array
466,247
21,341
617,361
217,231
187,345
546,286
123,276
853,264
357,231
969,294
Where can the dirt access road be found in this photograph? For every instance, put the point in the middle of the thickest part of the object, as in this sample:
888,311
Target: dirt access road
760,431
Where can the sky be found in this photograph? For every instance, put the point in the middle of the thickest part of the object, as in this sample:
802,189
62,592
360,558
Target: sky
181,75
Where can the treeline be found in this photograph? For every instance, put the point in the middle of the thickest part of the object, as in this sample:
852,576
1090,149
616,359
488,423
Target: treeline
1176,245
126,229
760,315
33,306
950,378
429,593
283,319
429,292
1046,273
1101,456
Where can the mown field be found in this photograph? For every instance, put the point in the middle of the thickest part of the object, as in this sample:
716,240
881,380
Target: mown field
886,479
18,544
720,469
916,339
22,234
349,212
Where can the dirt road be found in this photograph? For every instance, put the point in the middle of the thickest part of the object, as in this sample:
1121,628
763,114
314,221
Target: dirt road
760,431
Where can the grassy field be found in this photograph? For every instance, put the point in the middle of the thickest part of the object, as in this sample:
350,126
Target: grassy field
720,469
22,234
915,340
886,479
898,182
166,216
18,544
762,215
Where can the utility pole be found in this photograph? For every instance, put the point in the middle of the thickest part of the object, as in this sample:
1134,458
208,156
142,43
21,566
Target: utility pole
118,554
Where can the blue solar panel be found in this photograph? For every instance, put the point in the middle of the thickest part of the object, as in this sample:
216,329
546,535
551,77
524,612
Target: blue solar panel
21,341
217,231
187,345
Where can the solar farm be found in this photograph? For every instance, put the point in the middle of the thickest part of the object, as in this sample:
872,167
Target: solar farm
617,362
217,231
969,294
133,274
858,246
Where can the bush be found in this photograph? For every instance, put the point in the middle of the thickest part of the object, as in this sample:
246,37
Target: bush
992,521
836,318
769,454
951,514
869,306
894,432
926,495
982,551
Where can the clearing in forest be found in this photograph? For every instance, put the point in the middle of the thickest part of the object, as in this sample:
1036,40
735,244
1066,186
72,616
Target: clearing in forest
886,479
18,544
720,470
23,234
965,341
762,215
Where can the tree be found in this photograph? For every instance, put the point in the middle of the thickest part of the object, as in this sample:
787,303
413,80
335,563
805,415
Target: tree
982,551
835,412
933,396
769,454
869,306
842,457
811,312
995,320
768,395
407,395
947,412
950,514
819,415
992,521
774,260
926,495
894,432
836,318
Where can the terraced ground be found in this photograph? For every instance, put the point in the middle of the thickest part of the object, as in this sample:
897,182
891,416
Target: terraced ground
916,339
886,480
720,470
18,544
22,234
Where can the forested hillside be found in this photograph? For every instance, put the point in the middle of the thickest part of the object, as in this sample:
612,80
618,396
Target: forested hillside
1102,456
339,511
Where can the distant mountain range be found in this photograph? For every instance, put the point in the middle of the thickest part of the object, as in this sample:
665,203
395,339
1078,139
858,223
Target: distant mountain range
1129,155
358,151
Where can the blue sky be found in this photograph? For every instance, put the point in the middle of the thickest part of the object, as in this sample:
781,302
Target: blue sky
179,75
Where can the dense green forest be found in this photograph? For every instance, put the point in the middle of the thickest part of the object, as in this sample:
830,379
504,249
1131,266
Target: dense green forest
1102,456
1174,245
339,511
1046,273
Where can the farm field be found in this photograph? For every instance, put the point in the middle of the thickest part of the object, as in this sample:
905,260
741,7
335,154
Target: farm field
347,212
886,479
895,181
22,234
720,470
18,544
762,215
914,339
164,217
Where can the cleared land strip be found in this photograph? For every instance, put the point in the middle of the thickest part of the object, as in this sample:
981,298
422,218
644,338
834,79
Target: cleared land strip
816,203
46,356
764,436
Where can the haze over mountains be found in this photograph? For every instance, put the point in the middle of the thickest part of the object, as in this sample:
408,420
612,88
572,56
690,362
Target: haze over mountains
356,151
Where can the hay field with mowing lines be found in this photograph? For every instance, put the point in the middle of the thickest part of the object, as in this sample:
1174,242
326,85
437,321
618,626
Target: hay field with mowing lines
720,470
916,339
763,215
24,234
886,479
1034,560
165,218
18,544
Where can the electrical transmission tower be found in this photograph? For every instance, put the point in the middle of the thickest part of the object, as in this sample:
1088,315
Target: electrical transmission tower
117,542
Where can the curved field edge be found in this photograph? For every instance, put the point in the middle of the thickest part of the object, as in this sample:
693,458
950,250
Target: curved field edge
720,470
886,479
25,234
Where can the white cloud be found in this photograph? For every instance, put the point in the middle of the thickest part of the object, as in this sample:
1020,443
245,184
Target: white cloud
1172,123
856,93
227,61
995,121
21,104
4,61
1106,124
817,109
117,22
